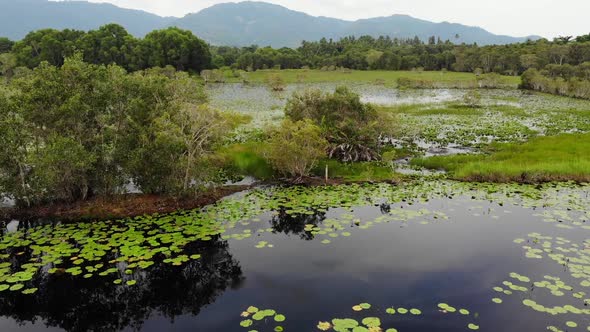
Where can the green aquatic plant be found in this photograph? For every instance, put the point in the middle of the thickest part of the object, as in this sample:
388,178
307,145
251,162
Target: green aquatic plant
254,316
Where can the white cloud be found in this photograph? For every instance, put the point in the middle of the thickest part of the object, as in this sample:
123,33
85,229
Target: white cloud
548,18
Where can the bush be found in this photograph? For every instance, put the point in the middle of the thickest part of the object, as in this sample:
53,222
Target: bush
275,82
213,76
295,148
472,98
352,128
490,81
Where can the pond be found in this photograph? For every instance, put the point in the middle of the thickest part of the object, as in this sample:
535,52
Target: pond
429,120
422,256
266,106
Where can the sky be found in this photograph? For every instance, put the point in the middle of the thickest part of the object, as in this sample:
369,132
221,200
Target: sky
547,18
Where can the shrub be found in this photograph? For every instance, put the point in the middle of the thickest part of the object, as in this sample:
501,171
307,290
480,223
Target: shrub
275,82
352,128
295,148
472,98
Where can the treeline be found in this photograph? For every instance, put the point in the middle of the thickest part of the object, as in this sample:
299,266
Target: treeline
564,80
80,130
110,44
184,51
384,53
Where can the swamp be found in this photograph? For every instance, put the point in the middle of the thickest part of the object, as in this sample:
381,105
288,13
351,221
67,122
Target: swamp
434,249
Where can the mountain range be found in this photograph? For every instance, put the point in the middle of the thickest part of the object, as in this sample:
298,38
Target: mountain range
235,24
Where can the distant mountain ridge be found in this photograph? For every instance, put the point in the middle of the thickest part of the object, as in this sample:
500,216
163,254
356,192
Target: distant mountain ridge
235,24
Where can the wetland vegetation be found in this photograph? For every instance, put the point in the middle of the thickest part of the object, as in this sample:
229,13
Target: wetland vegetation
441,198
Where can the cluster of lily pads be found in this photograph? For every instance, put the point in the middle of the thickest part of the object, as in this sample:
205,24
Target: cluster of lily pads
576,260
306,201
374,324
119,249
254,317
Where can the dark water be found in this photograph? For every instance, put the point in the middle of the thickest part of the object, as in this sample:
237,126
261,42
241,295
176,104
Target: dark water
397,263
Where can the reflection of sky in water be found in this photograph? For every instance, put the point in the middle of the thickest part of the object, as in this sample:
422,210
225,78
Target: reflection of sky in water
409,264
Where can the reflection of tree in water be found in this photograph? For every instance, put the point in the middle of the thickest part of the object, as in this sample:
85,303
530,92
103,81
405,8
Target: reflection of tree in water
295,224
96,304
385,208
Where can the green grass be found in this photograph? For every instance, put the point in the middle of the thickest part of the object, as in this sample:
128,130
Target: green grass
542,159
245,160
356,172
388,78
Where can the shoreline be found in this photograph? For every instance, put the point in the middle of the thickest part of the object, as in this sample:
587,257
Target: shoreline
133,205
119,207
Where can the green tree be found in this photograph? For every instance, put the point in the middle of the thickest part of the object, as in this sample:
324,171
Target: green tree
48,45
7,65
296,147
5,45
353,129
111,44
177,48
80,130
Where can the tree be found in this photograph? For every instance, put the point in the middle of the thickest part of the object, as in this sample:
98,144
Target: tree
48,45
352,128
111,44
7,65
195,130
61,166
5,45
82,130
373,57
295,148
528,61
177,48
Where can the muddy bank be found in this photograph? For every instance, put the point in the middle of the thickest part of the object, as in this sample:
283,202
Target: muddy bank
130,205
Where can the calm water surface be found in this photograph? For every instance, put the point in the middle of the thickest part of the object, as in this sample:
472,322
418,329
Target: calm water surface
449,250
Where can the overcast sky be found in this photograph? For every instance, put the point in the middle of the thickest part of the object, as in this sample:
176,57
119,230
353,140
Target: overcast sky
548,18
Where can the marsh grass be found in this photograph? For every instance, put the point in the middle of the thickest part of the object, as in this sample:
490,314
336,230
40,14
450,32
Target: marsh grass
542,159
380,77
357,172
246,159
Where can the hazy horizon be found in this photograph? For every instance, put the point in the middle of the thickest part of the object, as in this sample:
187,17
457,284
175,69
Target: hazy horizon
513,18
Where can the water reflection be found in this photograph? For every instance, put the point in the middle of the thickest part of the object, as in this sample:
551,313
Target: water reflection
295,224
96,304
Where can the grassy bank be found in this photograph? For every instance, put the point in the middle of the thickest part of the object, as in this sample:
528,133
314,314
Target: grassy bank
556,158
356,172
389,78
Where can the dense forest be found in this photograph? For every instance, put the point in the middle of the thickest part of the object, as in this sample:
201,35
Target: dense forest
184,51
110,44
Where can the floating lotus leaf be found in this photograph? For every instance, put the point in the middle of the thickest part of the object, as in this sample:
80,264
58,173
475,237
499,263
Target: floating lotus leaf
371,321
346,323
365,306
